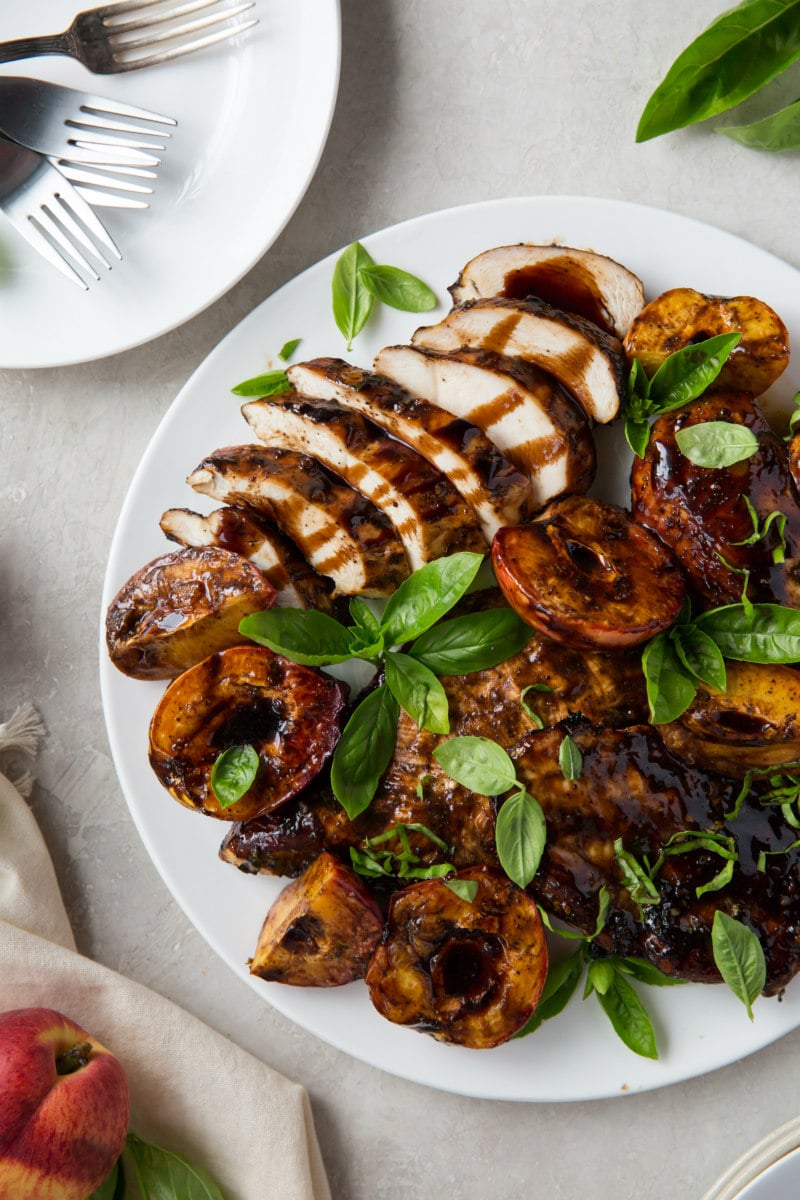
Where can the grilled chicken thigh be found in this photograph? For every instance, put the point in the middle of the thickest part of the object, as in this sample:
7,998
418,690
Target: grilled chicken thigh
296,583
576,281
524,411
341,534
428,514
702,515
586,361
498,491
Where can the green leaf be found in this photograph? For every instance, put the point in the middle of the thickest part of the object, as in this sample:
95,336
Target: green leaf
478,764
112,1187
559,988
779,131
647,972
427,595
637,882
603,904
526,708
288,348
716,444
418,692
739,958
520,835
628,1015
352,299
670,687
700,654
164,1175
638,391
760,633
637,435
465,889
363,616
271,384
473,642
398,289
234,773
570,759
736,55
685,374
308,637
364,751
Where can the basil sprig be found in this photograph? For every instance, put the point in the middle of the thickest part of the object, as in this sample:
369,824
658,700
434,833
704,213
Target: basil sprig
681,378
739,957
716,443
732,59
520,832
621,1004
234,773
165,1175
761,530
402,863
358,281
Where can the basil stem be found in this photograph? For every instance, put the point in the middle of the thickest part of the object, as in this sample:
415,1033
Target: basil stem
734,57
739,957
364,751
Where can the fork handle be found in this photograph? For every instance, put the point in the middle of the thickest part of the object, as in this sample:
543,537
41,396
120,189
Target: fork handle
34,47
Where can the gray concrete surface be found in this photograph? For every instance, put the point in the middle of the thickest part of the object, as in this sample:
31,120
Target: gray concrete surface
441,102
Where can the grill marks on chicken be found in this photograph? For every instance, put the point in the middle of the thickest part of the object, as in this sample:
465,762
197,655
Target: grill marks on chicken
525,412
427,513
340,533
499,492
701,513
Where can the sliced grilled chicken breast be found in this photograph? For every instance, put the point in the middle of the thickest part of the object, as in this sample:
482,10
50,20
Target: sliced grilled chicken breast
297,584
499,492
524,411
428,515
586,361
576,281
340,533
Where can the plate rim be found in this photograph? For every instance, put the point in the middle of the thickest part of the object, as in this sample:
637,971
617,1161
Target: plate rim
107,672
766,1153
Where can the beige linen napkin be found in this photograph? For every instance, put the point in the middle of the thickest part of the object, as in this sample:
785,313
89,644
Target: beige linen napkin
192,1091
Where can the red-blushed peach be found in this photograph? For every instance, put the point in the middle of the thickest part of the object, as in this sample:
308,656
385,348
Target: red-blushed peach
65,1107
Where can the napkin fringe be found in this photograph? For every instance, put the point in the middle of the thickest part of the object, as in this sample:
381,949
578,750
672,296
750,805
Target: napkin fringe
22,732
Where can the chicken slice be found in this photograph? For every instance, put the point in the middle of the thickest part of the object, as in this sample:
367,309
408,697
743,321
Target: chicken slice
524,411
576,281
339,532
427,513
499,492
297,584
586,361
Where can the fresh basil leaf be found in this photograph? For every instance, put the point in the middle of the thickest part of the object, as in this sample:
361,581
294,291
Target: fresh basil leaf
473,642
670,688
764,633
600,977
570,759
739,957
737,54
685,374
365,863
420,788
646,972
638,391
740,797
271,384
465,889
478,764
398,289
417,827
520,835
364,751
637,435
603,904
716,444
559,988
794,418
720,880
288,348
637,882
700,654
418,692
779,131
233,774
425,597
352,299
109,1189
530,713
628,1015
363,616
164,1175
305,636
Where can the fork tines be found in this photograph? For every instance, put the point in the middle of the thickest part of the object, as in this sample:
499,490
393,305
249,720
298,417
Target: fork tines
58,230
145,32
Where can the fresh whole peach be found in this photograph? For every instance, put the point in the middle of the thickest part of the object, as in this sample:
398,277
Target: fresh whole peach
64,1107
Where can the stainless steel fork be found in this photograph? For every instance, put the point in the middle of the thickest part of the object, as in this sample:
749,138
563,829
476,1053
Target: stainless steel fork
50,214
137,33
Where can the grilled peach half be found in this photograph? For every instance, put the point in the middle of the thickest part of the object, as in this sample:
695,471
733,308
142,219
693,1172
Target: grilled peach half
246,695
321,931
468,973
586,574
683,316
180,608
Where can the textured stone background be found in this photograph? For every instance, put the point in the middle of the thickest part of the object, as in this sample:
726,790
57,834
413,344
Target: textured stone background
441,102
